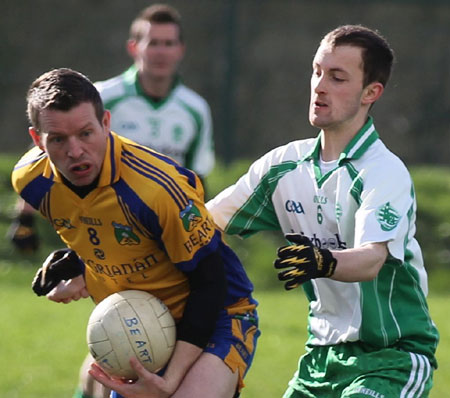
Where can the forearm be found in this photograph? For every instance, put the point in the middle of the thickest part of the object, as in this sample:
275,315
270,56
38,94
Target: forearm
359,264
183,357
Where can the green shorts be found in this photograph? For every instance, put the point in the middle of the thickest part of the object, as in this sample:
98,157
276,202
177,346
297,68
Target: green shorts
355,370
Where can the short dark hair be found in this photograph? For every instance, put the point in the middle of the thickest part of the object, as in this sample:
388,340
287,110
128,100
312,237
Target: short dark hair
377,55
61,89
158,14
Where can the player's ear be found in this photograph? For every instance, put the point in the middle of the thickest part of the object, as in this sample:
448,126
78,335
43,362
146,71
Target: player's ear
131,48
372,92
35,137
106,120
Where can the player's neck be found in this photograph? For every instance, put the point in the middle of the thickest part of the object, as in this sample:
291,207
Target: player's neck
335,139
155,87
81,191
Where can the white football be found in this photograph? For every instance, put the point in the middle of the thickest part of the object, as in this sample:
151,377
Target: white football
127,324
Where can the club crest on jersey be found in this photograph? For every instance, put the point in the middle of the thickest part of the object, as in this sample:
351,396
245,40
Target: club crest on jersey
388,217
125,235
190,216
177,133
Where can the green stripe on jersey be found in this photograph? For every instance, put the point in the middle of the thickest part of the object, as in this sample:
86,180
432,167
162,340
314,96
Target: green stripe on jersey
393,305
357,184
258,212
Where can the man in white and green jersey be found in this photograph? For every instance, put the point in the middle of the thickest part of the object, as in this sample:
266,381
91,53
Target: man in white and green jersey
347,206
149,104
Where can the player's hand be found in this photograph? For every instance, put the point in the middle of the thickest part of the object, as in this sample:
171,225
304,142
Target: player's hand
23,234
148,385
302,261
60,265
67,291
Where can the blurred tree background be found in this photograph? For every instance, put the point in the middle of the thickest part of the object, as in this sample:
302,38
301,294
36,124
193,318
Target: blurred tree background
251,59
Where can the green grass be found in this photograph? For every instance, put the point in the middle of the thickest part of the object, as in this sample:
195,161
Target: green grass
42,344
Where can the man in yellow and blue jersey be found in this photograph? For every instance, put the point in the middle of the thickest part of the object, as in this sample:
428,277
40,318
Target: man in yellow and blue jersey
150,104
134,219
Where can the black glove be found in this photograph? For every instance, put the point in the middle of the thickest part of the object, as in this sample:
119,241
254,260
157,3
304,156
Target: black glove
23,235
60,265
302,262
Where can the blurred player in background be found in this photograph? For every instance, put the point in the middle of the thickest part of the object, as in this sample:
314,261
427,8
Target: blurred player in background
347,207
133,218
149,104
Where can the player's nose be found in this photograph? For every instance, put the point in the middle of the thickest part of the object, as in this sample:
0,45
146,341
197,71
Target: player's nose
74,148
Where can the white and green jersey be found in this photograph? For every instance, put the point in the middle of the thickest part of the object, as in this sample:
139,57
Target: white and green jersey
368,197
178,126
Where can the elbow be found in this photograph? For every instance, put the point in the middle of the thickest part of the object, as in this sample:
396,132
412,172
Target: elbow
371,274
374,269
377,258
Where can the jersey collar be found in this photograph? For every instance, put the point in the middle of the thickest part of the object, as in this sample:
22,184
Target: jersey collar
359,144
133,87
110,170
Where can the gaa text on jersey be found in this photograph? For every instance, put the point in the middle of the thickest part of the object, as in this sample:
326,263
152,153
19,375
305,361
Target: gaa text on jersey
293,206
63,222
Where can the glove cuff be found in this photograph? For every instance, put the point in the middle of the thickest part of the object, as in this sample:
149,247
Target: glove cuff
71,265
326,263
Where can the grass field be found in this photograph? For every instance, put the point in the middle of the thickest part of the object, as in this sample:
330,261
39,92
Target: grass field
42,344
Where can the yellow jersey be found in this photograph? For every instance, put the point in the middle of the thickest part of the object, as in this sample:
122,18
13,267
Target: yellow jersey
142,227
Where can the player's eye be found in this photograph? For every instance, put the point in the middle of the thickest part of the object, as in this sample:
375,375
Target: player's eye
338,79
85,134
152,43
170,43
55,139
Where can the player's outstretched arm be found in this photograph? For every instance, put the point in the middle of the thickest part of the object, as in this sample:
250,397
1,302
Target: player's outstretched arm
361,263
302,261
